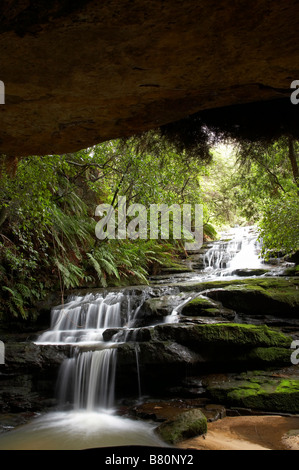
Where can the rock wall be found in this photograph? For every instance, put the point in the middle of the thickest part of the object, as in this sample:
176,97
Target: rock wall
78,73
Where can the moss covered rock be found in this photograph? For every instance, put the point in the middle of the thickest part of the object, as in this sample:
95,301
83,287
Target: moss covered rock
218,346
258,392
197,305
233,334
204,307
270,356
293,271
279,297
167,351
249,272
186,425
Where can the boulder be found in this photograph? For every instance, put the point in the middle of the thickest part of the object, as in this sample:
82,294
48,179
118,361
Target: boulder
158,366
258,391
29,375
159,307
186,425
282,301
291,271
217,335
293,258
204,307
276,296
198,305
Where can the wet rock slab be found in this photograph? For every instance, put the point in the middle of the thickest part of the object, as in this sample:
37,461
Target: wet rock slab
165,352
161,411
275,296
29,375
203,306
272,391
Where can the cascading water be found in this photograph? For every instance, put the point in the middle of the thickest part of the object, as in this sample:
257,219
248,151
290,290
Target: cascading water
87,380
83,319
237,249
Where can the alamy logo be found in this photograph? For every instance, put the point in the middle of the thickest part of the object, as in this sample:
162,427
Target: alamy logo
295,354
2,353
294,95
153,223
2,92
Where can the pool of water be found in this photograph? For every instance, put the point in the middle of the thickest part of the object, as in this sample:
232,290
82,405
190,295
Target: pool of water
78,430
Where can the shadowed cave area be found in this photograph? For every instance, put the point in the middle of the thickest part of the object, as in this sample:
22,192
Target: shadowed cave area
77,74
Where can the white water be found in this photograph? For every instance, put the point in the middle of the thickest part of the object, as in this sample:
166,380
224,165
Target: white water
174,316
237,249
83,319
87,380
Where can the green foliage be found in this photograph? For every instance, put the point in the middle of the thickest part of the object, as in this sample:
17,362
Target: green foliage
258,184
47,224
270,193
47,211
279,228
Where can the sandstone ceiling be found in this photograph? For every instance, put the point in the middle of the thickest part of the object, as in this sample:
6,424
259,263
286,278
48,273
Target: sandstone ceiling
78,73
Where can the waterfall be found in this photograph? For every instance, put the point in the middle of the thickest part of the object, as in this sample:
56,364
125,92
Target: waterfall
237,249
83,319
248,255
87,379
174,316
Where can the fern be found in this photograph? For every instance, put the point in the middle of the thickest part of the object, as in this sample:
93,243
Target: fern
98,269
15,302
104,263
71,274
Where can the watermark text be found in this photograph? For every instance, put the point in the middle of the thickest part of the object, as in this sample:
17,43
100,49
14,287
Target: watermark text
2,92
2,353
295,94
295,354
155,222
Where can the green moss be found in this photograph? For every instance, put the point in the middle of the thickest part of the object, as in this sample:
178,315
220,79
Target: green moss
263,284
187,424
175,268
210,312
242,334
262,393
272,355
200,301
256,296
198,305
288,386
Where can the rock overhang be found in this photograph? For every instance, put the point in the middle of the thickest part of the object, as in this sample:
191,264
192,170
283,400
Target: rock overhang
77,74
